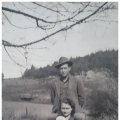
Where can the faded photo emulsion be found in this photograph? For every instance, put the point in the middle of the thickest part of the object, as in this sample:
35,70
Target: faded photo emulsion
59,60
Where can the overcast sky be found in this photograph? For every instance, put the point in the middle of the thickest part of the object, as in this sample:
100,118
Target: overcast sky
81,40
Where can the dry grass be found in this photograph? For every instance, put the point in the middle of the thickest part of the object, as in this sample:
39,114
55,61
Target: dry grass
17,110
13,89
30,110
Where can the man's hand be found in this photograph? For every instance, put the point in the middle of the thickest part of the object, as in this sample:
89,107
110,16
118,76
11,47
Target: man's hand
80,116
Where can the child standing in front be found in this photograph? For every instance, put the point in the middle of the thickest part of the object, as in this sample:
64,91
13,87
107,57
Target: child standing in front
67,110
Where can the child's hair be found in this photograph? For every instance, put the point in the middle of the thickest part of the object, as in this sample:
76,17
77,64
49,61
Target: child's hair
71,103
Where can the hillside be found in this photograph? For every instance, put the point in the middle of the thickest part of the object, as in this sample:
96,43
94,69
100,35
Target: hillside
102,59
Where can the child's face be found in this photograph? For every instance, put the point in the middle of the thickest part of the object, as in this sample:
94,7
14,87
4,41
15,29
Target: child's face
66,109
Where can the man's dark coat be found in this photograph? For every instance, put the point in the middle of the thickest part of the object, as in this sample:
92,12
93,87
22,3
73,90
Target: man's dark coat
76,93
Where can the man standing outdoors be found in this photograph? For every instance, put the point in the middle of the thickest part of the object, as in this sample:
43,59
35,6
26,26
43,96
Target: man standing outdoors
67,86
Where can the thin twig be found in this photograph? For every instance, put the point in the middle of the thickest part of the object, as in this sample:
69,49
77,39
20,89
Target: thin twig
12,58
56,11
6,43
14,24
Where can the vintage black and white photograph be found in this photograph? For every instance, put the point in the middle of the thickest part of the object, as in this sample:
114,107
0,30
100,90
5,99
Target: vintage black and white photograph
59,60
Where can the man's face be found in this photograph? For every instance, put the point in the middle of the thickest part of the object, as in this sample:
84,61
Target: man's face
64,70
66,109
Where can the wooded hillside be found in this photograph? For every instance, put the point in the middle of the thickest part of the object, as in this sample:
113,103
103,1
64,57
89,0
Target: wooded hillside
102,59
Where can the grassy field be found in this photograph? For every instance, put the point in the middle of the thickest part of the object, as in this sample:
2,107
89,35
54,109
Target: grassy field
100,88
20,109
13,90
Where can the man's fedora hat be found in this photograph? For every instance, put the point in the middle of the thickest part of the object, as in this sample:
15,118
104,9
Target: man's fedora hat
63,60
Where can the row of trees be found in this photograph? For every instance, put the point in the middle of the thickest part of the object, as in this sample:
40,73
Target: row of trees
102,59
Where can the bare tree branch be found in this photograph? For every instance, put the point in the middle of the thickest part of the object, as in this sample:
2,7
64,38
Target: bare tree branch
6,43
25,14
102,20
58,12
37,19
66,10
12,58
14,24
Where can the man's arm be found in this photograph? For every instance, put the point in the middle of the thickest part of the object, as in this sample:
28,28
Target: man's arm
80,90
52,92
